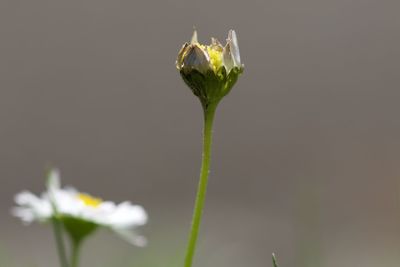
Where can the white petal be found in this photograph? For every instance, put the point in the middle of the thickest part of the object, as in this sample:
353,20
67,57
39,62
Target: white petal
100,214
25,198
196,58
25,214
131,237
53,180
128,215
53,185
67,202
234,47
227,58
181,53
215,44
194,37
31,207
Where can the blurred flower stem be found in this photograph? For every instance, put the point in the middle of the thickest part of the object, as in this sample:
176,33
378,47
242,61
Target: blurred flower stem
75,254
209,112
57,225
57,229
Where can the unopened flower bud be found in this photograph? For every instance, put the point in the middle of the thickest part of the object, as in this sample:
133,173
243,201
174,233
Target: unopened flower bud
210,70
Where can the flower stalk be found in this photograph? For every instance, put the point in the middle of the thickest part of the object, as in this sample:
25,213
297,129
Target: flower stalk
209,114
57,229
75,253
57,226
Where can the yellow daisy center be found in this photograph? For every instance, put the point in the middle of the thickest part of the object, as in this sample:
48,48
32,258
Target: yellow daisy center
215,57
88,200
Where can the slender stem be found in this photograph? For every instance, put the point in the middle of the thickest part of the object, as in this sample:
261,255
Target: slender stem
75,253
274,261
60,243
209,112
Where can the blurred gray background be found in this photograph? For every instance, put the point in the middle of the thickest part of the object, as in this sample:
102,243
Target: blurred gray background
306,159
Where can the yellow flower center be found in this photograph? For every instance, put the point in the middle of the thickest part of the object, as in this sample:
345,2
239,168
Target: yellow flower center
89,200
215,57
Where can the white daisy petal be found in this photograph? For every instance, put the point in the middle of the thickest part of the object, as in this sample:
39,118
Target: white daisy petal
25,214
194,37
181,53
128,215
40,208
26,198
131,237
227,58
196,58
53,180
234,47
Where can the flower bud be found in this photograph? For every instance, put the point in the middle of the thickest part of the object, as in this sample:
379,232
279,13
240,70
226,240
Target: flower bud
210,70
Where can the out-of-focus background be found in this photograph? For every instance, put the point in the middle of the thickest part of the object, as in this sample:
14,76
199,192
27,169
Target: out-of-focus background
306,159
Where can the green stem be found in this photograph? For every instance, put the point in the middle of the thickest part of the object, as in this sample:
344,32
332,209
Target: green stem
209,112
60,243
75,253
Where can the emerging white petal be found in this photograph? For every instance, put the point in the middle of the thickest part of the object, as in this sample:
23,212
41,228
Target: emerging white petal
53,185
215,44
179,59
227,58
194,39
196,58
234,47
53,180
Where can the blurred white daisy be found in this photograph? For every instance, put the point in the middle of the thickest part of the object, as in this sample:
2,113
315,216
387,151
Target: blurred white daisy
80,212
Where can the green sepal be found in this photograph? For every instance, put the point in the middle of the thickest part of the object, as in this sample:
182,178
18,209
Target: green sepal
210,87
77,229
231,79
